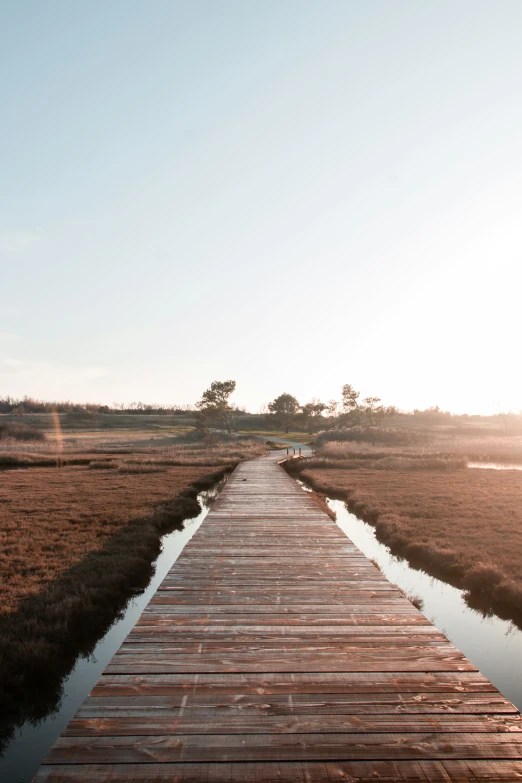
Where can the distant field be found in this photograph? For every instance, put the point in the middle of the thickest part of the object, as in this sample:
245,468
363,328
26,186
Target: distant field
101,421
300,437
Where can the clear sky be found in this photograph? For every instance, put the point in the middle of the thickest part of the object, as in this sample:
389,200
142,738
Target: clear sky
295,194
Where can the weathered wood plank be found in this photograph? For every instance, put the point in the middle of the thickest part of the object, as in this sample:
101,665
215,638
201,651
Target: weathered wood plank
240,703
215,722
321,612
284,747
318,682
230,634
174,616
288,772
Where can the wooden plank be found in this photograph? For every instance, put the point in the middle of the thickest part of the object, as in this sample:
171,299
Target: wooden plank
307,602
174,616
215,722
264,683
502,771
320,612
284,747
240,703
249,634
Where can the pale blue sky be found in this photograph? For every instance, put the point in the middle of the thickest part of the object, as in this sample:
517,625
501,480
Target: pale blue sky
293,194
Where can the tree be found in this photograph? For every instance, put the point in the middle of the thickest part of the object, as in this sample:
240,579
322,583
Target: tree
214,401
312,413
284,410
376,414
370,408
368,412
350,397
332,407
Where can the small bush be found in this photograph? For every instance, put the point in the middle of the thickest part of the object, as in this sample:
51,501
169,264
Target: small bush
142,467
16,431
103,464
483,578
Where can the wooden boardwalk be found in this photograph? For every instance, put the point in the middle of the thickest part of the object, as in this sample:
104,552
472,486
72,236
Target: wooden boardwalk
275,651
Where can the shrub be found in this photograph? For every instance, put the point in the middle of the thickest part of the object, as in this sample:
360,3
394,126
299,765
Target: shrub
483,578
103,464
142,467
16,431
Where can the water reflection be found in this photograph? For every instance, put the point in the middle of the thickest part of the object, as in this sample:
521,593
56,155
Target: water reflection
26,751
495,465
493,645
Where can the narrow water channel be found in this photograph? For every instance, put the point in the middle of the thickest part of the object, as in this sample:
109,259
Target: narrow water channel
25,753
493,645
495,465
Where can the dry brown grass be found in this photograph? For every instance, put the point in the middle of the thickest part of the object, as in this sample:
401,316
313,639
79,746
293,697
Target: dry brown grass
79,531
169,449
51,518
464,525
451,450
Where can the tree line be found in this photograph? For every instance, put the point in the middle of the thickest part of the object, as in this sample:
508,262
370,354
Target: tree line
31,405
286,412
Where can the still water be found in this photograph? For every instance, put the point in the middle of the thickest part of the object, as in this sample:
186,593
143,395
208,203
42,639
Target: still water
28,748
495,465
494,646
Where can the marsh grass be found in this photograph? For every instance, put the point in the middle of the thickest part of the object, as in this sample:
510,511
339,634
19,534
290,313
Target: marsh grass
462,526
142,467
103,464
75,592
480,448
352,456
415,599
80,524
380,436
51,518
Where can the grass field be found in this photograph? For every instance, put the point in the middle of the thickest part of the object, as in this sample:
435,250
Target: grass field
458,523
51,518
305,438
78,540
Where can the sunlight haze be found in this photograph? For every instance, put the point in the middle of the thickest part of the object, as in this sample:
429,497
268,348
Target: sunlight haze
295,195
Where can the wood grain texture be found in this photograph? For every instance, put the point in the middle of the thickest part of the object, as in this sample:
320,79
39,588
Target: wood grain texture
503,771
274,650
